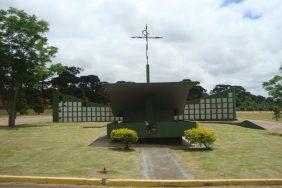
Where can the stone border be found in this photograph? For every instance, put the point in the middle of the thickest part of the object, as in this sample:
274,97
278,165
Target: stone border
49,180
190,183
136,182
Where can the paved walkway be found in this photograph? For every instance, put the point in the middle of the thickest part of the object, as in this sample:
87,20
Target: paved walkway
27,119
160,163
269,125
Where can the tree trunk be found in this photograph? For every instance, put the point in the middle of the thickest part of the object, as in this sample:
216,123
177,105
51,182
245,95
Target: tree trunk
12,119
12,107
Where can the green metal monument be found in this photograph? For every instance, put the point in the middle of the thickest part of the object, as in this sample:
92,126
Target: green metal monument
149,108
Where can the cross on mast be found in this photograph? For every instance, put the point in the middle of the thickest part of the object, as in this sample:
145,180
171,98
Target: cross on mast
146,36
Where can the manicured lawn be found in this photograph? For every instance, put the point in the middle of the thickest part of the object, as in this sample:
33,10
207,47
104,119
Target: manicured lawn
238,153
62,149
30,112
264,115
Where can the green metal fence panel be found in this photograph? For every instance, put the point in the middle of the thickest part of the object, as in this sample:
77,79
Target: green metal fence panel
67,108
215,107
218,107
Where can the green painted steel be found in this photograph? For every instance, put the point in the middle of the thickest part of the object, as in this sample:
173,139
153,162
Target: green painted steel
148,73
55,106
67,108
165,129
217,107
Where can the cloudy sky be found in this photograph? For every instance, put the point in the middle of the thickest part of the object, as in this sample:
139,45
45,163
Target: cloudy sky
236,42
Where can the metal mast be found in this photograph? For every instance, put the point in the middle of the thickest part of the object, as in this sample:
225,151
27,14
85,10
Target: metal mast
146,36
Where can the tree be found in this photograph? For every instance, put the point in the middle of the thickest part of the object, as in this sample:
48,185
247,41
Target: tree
246,100
220,87
88,87
276,113
24,54
38,105
274,87
67,79
196,92
21,105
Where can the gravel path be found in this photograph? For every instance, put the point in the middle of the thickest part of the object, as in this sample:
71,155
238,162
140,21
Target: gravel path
27,119
160,163
269,125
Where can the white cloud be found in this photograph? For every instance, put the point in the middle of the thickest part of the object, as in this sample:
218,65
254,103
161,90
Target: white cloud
203,40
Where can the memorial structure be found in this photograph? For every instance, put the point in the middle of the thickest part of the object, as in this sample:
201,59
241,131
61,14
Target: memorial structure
154,110
149,108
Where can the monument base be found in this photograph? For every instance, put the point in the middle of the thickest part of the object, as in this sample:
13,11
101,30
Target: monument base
164,129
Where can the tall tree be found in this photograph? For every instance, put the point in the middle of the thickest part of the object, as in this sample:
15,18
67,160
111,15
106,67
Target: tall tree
196,92
24,54
67,79
219,88
274,87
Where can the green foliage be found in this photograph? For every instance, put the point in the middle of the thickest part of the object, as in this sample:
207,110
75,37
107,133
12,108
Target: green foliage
200,136
24,53
274,87
87,87
21,105
246,101
124,135
38,105
196,92
276,113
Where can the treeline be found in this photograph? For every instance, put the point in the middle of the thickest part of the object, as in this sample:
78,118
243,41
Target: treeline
91,88
246,101
69,82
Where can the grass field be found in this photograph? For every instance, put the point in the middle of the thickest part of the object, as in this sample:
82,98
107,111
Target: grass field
257,115
62,149
48,149
238,153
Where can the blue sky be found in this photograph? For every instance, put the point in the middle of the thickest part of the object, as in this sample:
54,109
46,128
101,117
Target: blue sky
236,42
230,2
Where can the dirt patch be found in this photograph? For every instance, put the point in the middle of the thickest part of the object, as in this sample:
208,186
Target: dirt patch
269,125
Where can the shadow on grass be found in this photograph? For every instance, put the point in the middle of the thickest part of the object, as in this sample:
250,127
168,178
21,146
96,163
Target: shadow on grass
187,149
122,149
235,122
106,171
89,127
273,133
24,126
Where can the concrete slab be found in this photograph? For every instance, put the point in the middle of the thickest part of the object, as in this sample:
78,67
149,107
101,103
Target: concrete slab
160,163
103,141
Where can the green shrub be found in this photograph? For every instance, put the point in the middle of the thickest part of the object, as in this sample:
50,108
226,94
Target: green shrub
200,137
124,135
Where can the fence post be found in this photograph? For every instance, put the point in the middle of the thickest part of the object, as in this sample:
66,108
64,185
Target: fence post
234,103
55,106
